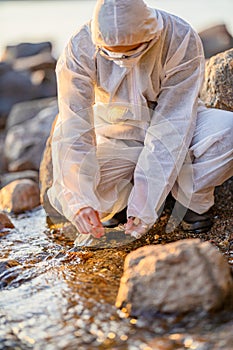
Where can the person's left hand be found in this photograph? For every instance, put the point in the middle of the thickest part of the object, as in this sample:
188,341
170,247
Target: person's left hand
136,227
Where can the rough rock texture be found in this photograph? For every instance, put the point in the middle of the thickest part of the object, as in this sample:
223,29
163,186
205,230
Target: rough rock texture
218,85
46,179
176,278
6,178
215,40
5,222
19,196
25,142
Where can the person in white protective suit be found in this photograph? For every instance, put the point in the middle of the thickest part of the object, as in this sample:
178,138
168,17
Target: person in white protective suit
131,128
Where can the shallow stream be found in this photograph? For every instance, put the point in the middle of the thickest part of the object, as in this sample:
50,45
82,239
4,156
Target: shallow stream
52,297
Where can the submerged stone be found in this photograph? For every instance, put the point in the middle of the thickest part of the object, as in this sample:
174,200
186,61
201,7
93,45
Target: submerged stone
113,238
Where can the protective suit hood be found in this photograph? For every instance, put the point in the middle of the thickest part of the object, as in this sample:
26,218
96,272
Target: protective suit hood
124,22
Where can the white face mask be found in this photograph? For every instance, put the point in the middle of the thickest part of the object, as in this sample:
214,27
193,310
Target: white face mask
118,57
127,59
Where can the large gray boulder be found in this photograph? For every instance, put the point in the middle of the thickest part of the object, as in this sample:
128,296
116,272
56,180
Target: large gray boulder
25,142
27,72
23,111
217,91
15,86
178,277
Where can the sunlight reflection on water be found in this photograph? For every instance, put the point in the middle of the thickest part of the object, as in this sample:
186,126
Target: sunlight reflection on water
52,298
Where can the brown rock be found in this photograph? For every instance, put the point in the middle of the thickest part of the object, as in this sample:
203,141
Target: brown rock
46,180
5,222
175,278
217,91
19,196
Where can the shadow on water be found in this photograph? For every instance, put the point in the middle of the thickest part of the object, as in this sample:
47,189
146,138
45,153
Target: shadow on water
53,297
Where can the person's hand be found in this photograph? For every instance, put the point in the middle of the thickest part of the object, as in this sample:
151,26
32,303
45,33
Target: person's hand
87,221
136,227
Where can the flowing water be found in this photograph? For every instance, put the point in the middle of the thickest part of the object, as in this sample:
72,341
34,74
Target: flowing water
53,297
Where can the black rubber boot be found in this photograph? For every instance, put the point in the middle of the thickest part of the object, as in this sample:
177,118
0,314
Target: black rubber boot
196,223
191,221
118,218
113,222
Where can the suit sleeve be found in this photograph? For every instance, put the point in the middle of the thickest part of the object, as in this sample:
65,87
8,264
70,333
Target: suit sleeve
75,166
172,126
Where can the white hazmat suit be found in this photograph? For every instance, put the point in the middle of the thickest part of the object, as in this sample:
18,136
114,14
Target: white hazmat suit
131,127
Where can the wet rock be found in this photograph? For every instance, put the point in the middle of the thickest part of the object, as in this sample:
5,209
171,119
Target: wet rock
113,238
5,222
20,196
175,278
25,50
25,142
23,111
215,40
6,178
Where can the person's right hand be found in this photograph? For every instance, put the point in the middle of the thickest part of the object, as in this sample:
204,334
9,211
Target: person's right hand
87,221
136,227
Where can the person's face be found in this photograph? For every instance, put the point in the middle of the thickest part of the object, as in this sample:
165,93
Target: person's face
123,49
